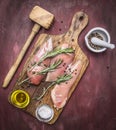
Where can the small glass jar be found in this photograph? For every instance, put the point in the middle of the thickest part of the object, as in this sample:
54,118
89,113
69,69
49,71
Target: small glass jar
20,98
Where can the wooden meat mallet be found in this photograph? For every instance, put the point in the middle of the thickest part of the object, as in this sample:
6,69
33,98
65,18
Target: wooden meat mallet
42,18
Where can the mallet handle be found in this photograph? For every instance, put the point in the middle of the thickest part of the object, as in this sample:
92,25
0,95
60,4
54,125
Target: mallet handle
14,67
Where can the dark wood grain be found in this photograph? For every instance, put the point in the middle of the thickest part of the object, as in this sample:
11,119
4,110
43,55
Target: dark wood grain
92,106
79,22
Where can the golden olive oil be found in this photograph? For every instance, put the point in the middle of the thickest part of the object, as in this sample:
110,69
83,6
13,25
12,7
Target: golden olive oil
20,98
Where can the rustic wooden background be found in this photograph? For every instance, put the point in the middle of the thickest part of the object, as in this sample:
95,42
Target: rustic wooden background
93,104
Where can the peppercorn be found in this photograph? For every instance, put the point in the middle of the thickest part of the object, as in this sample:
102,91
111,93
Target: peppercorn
95,34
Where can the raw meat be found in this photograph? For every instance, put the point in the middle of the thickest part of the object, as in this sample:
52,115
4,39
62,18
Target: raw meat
60,92
33,69
60,70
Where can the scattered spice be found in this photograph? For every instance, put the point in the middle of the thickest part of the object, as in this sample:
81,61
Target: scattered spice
33,72
64,64
66,82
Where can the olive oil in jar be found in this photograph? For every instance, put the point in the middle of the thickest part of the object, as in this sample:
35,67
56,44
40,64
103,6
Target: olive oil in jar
20,98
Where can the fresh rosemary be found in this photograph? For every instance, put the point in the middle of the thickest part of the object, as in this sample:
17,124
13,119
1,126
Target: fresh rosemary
44,71
59,80
63,78
51,67
53,53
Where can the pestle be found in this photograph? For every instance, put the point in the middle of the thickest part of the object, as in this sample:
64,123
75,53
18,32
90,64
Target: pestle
97,41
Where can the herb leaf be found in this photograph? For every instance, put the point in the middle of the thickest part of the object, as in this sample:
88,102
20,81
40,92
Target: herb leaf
51,67
56,52
58,81
63,78
53,53
44,71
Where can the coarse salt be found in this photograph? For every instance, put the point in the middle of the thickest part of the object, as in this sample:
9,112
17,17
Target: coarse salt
44,113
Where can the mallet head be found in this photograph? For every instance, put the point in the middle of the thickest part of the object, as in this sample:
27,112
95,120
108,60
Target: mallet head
41,16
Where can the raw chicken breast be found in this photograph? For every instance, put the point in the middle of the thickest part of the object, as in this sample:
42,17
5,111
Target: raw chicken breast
32,71
46,47
66,58
60,92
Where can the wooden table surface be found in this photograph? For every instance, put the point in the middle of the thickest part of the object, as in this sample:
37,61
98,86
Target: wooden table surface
93,104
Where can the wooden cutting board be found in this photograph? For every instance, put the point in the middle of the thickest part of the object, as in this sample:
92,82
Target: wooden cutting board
79,22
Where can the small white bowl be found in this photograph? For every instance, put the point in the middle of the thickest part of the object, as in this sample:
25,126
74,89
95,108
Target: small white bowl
44,113
104,33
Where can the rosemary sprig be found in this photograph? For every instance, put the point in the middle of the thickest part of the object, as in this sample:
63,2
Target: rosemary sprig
56,52
63,78
44,71
23,81
58,81
38,98
51,67
53,53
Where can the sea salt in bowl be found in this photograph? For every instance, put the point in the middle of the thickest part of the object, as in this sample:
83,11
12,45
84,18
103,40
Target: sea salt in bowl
44,113
100,33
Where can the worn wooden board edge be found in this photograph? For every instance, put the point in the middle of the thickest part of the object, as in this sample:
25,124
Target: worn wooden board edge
43,38
86,62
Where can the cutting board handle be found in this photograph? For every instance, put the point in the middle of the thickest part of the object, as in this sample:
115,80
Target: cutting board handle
79,22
